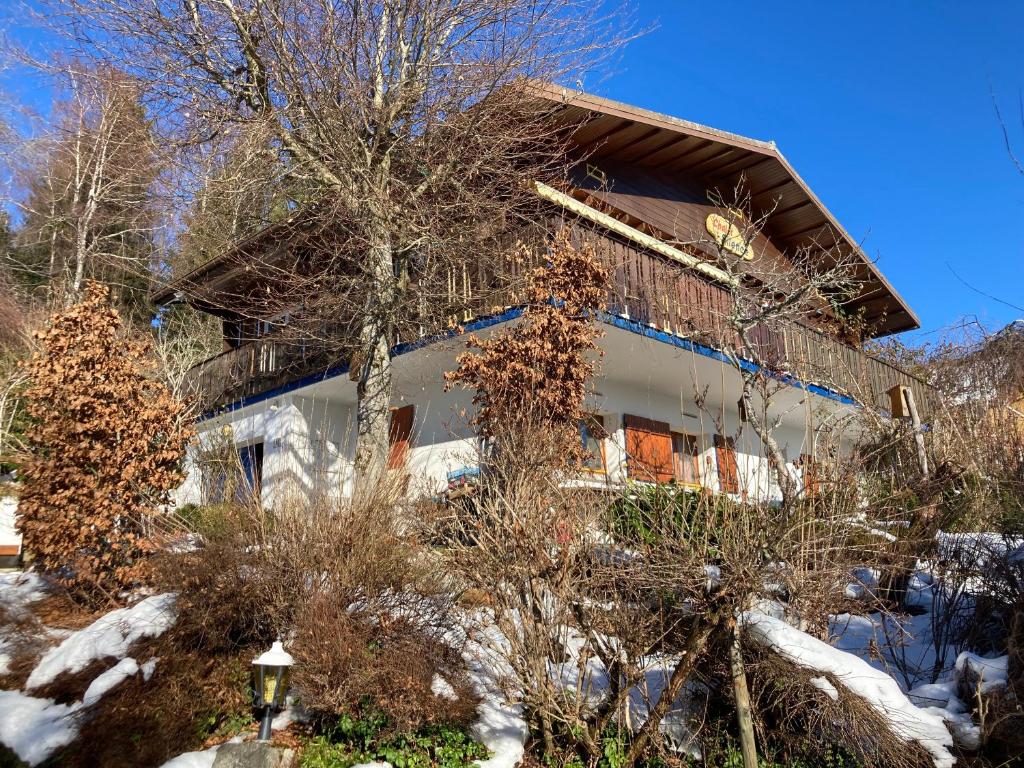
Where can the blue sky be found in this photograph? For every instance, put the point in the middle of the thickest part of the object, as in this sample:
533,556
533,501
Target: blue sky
885,109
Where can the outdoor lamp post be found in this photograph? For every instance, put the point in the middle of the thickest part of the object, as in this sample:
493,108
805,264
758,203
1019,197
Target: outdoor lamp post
270,673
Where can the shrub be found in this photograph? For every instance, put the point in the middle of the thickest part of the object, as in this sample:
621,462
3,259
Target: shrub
105,446
383,655
356,741
366,613
143,723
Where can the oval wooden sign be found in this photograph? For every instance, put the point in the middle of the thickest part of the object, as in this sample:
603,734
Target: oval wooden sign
728,236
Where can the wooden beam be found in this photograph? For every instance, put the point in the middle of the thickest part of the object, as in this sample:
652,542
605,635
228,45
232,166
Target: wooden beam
612,224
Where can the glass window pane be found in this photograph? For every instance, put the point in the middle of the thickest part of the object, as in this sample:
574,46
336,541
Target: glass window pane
592,435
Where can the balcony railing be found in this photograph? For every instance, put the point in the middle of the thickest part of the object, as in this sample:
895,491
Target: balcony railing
646,288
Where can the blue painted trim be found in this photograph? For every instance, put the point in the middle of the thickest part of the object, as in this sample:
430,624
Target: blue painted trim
617,321
634,326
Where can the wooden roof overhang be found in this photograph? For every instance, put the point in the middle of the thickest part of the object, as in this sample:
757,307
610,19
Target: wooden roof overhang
654,160
232,280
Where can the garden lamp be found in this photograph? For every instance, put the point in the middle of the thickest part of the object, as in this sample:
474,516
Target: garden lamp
270,673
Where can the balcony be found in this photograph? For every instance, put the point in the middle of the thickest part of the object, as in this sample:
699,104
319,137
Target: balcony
647,289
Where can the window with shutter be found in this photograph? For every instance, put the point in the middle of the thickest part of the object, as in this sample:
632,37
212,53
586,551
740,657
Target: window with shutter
592,436
811,475
648,450
684,455
728,473
399,434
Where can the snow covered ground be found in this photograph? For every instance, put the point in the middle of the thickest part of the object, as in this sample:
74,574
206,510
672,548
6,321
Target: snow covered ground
34,728
920,649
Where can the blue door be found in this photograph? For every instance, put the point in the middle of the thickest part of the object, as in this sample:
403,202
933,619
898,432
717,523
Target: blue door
251,459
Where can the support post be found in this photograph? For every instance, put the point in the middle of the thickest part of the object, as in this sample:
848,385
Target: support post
915,420
265,733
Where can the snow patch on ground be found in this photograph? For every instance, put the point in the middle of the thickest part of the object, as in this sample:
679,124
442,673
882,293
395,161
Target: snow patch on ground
203,759
110,635
441,687
500,725
110,679
877,688
33,727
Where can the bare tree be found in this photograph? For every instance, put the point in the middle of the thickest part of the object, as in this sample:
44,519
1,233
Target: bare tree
807,285
399,127
88,207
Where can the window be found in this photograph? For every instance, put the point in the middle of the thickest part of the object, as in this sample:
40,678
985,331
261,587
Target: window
592,436
684,458
810,472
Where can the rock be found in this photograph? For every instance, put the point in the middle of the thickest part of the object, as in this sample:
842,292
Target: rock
253,754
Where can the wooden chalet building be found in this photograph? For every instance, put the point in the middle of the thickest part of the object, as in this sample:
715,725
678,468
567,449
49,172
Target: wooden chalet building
645,178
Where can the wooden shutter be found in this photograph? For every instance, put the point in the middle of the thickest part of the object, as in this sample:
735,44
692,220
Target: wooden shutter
728,474
810,473
398,435
648,449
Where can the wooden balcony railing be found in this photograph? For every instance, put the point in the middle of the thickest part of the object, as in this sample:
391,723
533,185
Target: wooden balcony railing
646,287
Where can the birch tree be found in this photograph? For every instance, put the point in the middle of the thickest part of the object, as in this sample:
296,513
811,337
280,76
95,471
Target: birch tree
88,210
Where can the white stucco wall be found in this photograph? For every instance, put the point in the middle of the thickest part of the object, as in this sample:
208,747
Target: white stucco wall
309,438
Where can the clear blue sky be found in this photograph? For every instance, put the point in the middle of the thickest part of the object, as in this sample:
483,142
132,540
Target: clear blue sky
885,109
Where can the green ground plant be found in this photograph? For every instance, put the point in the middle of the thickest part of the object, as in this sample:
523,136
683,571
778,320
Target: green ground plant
351,741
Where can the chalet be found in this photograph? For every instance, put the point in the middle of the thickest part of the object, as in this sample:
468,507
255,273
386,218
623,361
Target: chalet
665,398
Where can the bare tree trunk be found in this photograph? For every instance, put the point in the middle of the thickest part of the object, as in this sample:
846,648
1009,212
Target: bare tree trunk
744,719
373,391
695,645
771,446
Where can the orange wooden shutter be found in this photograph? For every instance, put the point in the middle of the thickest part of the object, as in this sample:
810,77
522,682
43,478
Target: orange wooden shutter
648,449
398,435
728,474
809,470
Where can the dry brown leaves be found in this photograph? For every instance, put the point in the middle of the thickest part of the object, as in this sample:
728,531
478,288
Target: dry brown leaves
539,369
104,450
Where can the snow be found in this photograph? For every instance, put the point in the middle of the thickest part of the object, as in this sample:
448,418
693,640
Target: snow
826,687
18,589
35,728
110,679
149,668
441,687
989,673
202,759
878,689
500,725
110,635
